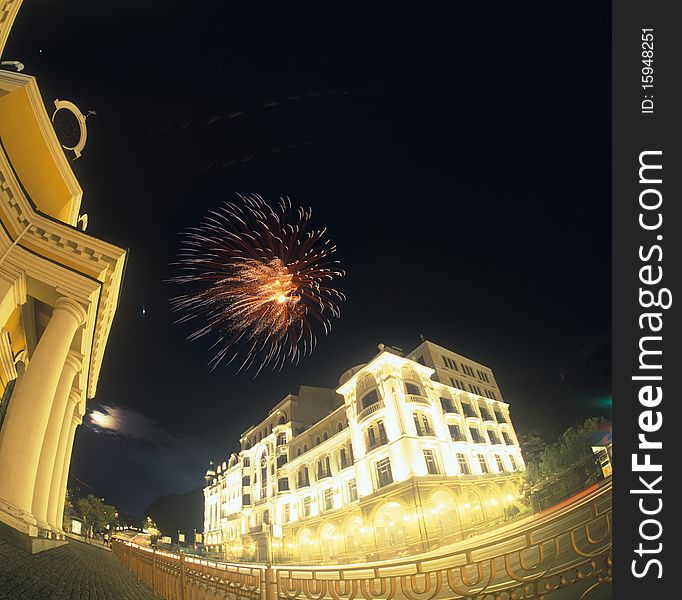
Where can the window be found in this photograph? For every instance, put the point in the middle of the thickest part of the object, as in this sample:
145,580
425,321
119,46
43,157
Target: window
307,506
456,433
352,491
421,360
369,399
468,410
246,480
507,439
500,464
431,464
281,439
376,435
286,513
486,415
325,436
494,438
513,463
340,428
490,394
282,460
263,478
328,499
476,435
463,464
421,423
450,364
475,389
303,477
500,417
384,474
246,462
298,452
246,499
414,390
447,405
283,484
317,440
343,458
483,463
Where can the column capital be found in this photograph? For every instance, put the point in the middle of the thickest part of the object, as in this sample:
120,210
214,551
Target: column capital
74,396
74,361
73,307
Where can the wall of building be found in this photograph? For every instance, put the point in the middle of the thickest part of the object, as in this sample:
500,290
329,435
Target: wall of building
397,467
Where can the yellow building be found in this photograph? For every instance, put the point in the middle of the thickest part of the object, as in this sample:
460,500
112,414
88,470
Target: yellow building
59,290
409,453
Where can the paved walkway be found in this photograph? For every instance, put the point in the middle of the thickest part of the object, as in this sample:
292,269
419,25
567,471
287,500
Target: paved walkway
75,571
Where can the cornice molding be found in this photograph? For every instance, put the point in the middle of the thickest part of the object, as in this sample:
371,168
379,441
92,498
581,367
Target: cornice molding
79,264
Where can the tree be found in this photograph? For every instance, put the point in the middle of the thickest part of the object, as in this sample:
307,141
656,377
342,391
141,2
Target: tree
533,445
95,513
573,446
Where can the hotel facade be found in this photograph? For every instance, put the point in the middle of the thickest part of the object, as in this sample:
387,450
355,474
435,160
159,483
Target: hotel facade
410,453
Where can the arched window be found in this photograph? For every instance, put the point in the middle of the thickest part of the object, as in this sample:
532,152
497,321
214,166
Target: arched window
263,477
317,440
282,419
340,428
412,389
368,399
325,436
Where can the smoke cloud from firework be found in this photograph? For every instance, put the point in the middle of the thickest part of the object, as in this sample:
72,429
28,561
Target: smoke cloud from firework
260,283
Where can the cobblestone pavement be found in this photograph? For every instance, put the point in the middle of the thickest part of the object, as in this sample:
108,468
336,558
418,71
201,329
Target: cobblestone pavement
75,571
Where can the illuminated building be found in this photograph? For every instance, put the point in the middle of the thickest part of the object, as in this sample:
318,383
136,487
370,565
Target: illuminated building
59,291
408,453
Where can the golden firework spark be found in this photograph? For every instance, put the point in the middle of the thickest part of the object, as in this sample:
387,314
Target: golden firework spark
261,280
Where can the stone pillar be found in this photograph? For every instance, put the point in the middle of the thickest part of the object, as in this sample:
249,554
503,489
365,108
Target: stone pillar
29,412
50,461
76,420
61,457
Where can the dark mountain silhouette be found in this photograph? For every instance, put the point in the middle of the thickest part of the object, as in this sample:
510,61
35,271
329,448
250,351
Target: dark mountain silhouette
173,512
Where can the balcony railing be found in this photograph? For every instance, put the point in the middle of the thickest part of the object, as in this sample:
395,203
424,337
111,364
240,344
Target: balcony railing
414,399
371,409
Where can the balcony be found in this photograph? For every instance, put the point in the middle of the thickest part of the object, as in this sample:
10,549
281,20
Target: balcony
371,409
414,399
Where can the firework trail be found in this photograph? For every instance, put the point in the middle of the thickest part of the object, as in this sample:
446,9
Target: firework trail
261,280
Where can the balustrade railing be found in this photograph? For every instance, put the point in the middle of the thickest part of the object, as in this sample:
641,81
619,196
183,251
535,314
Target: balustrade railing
568,551
371,409
417,399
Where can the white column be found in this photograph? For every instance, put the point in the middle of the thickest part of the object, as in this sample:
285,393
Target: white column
49,459
76,420
29,410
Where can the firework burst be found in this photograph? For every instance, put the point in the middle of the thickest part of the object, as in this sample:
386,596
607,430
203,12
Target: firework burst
259,279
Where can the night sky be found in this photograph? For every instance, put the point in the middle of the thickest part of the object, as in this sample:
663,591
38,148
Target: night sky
458,154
